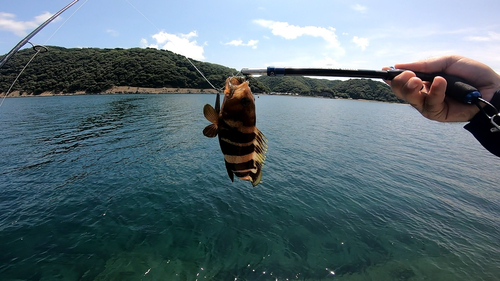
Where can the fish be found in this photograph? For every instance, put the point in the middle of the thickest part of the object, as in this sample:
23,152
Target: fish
243,145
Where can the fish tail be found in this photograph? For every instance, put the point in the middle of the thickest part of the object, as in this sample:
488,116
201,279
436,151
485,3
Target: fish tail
260,156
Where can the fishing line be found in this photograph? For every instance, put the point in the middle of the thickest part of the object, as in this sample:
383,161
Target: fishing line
38,49
66,21
199,71
143,16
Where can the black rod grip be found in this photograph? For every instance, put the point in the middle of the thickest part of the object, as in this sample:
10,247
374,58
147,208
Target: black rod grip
456,88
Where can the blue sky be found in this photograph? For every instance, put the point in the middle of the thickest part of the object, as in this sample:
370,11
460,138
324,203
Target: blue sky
254,33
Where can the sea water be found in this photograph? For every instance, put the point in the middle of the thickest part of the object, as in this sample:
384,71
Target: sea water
126,187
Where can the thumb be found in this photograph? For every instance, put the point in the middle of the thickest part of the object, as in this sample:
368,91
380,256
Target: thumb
437,92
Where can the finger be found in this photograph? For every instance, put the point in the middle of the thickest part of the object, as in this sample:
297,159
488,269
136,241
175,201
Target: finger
434,106
438,64
438,107
387,68
437,92
475,73
407,87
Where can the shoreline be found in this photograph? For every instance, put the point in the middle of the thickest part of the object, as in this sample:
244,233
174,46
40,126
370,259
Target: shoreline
120,90
123,90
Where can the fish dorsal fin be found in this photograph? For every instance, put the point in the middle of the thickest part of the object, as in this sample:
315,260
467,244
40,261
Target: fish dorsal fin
217,103
210,113
210,131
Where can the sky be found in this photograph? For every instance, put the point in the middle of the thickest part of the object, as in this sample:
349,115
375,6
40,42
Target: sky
256,34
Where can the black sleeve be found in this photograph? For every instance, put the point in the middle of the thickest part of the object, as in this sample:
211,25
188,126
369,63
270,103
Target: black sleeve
484,131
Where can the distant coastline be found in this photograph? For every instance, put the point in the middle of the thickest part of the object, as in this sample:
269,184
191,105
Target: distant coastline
121,90
124,90
85,71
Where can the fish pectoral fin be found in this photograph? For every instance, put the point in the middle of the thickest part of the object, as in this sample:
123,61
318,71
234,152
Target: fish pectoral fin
210,113
210,131
229,171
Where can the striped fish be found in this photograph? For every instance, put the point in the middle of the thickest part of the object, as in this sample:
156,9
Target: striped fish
243,145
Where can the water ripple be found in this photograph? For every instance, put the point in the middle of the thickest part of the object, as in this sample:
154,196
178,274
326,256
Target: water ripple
127,187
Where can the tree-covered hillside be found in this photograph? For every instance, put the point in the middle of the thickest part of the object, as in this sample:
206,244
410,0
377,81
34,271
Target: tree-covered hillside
93,70
354,88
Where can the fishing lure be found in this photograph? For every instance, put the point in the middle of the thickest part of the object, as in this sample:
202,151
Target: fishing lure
243,145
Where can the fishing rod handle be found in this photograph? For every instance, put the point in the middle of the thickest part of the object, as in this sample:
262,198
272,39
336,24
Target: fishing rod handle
456,88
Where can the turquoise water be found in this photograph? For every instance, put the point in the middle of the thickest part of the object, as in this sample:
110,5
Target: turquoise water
126,187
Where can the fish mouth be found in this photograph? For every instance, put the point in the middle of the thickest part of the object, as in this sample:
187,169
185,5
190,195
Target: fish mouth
234,81
232,85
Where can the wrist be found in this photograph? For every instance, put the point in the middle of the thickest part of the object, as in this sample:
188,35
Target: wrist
495,100
495,115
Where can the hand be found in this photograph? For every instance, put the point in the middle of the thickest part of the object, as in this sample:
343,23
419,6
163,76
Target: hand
429,98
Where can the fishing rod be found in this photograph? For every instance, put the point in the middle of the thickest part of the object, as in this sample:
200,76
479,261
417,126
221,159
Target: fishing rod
33,33
456,88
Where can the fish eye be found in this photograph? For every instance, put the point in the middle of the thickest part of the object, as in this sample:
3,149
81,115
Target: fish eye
245,101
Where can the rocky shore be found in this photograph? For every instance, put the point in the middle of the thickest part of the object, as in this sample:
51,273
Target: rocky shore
123,90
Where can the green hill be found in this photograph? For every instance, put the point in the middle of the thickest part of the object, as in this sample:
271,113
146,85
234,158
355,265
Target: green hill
354,88
94,70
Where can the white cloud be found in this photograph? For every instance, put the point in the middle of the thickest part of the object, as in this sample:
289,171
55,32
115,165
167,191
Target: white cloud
327,62
9,23
492,36
43,17
289,31
177,43
361,42
251,43
359,8
112,32
234,43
